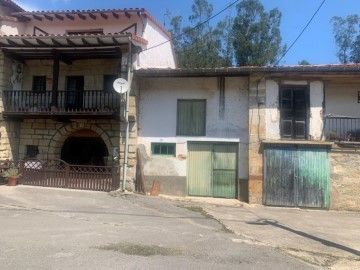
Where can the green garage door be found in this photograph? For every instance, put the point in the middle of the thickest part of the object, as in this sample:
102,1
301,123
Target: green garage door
212,170
296,176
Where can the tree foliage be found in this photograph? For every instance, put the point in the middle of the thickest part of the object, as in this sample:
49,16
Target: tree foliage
257,39
347,38
251,38
304,63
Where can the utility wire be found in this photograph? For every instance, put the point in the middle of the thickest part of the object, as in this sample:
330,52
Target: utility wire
302,31
193,28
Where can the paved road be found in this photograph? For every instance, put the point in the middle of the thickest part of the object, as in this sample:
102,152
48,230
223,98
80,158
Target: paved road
45,228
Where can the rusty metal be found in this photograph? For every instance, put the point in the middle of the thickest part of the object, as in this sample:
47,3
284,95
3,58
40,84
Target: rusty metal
59,174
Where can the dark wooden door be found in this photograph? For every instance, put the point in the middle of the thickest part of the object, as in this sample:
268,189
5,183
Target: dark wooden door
74,92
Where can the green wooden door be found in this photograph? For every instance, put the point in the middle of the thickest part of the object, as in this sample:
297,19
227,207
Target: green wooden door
212,170
224,170
199,169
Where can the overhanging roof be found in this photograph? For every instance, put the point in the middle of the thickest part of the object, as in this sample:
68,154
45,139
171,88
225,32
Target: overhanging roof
69,47
248,70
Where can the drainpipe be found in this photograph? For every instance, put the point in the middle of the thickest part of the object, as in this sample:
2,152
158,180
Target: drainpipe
129,65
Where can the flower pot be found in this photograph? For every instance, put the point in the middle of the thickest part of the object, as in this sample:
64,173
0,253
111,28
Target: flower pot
12,181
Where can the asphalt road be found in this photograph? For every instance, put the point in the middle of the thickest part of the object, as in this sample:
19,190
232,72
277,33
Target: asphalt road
42,228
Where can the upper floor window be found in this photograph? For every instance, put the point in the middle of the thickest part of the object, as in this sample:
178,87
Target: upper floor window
39,84
109,82
85,32
294,112
191,117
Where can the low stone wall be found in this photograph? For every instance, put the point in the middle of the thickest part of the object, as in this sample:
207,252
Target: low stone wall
345,179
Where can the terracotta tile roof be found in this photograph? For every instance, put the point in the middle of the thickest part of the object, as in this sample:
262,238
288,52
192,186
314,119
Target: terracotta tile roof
13,5
247,70
126,11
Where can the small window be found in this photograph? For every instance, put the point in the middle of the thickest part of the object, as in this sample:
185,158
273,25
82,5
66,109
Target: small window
39,84
109,81
32,151
191,117
164,149
358,96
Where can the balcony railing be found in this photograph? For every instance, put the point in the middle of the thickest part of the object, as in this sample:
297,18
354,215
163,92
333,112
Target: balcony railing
68,103
342,129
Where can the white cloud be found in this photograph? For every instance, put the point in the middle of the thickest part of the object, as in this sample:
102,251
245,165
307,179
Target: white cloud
26,6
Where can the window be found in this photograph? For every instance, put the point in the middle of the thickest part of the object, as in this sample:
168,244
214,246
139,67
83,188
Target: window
39,84
164,149
85,32
191,117
294,111
32,151
358,96
109,82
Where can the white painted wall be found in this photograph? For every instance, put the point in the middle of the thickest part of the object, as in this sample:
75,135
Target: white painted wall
316,110
157,118
158,56
342,99
273,114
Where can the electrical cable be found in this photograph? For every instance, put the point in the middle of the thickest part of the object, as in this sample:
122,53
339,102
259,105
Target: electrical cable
193,28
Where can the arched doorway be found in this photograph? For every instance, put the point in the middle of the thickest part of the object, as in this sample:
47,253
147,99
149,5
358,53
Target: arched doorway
84,147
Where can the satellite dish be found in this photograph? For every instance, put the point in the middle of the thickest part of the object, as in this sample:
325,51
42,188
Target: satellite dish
121,85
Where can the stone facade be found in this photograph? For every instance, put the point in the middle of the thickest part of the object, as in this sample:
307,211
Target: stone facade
256,133
345,179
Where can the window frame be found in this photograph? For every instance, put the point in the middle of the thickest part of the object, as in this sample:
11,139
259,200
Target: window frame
38,81
293,113
180,132
154,144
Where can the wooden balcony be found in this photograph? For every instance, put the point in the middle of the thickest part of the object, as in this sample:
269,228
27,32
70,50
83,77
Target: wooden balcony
67,104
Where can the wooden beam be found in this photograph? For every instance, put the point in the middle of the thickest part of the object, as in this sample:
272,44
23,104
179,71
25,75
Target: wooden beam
86,43
127,14
37,17
115,15
13,56
48,17
27,43
57,16
70,17
62,57
70,42
100,41
103,15
92,16
42,43
12,43
81,16
57,43
25,19
115,41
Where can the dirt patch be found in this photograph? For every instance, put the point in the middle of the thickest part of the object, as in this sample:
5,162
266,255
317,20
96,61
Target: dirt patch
141,250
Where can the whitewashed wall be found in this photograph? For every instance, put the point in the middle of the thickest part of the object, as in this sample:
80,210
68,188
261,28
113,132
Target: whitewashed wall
157,118
342,99
273,113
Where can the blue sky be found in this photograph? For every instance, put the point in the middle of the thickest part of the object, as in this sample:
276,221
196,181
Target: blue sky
316,44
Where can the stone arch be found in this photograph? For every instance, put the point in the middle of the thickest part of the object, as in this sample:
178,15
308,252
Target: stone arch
67,129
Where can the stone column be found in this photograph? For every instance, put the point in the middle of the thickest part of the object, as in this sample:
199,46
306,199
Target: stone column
256,134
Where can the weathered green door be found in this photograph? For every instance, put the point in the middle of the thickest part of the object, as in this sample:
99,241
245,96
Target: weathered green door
296,176
212,170
224,170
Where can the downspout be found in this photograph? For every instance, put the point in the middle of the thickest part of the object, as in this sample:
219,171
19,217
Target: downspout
129,65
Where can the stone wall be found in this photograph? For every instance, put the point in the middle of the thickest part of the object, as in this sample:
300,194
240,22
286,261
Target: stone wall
256,133
345,179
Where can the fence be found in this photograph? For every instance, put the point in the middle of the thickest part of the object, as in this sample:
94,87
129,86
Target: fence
342,129
57,173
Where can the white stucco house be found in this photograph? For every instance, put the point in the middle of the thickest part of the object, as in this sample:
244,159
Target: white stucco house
270,135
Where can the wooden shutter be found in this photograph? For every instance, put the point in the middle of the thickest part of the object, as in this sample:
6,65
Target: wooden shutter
191,117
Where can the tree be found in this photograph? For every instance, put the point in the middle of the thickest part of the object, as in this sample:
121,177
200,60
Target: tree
256,34
199,45
345,32
304,63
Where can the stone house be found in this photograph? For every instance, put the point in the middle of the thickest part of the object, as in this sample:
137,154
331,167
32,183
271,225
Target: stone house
57,69
282,136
